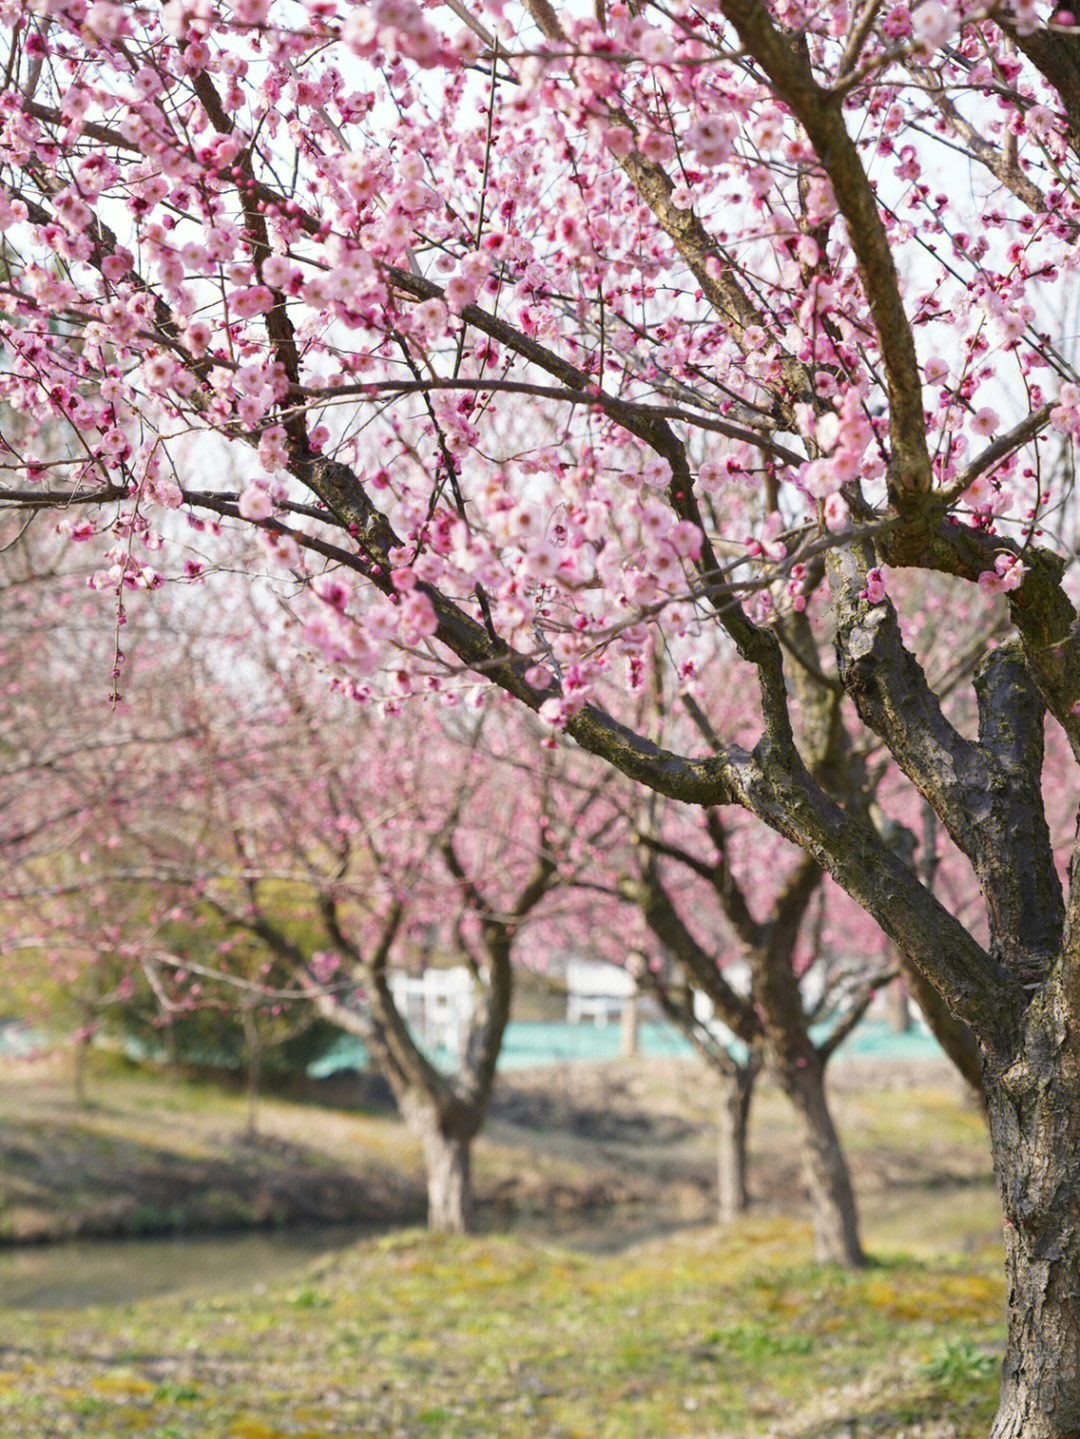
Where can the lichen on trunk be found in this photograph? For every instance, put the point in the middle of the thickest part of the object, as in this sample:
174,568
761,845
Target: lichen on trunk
1034,1110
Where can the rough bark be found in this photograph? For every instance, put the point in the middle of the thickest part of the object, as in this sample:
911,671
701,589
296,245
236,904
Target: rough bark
989,794
1034,1112
736,1092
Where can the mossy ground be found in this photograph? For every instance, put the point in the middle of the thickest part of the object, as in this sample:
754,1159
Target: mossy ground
699,1334
700,1331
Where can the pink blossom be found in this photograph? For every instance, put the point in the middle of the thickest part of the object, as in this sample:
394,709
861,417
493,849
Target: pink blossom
418,617
466,47
985,422
332,590
820,201
198,335
277,271
837,513
541,560
687,540
875,591
105,20
818,478
654,47
768,130
72,210
114,441
712,137
656,520
552,713
401,14
460,292
256,300
710,477
991,583
164,491
323,632
271,449
324,965
1011,570
251,12
897,23
657,146
250,410
431,318
933,23
158,371
381,621
283,549
196,56
255,503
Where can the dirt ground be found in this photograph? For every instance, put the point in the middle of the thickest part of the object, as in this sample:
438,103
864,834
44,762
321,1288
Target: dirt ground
148,1156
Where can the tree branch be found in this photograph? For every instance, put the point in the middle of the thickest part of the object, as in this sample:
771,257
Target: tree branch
821,115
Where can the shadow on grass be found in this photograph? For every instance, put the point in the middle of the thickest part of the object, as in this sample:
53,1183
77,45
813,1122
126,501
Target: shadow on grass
63,1182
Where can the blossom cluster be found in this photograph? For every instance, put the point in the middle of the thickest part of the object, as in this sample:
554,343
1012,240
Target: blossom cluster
326,233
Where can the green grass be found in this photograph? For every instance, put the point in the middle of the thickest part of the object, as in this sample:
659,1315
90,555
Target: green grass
707,1333
413,1335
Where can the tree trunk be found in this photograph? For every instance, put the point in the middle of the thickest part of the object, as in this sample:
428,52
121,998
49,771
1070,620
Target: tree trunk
1033,1108
447,1162
81,1057
631,1024
449,1182
899,1007
736,1090
172,1052
955,1038
836,1222
253,1066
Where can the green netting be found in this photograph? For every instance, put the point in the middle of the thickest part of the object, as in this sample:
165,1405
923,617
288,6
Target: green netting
536,1042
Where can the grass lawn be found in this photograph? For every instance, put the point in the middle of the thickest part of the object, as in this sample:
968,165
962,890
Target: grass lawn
698,1332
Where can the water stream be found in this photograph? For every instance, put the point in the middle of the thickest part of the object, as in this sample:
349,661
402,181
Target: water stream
85,1273
82,1273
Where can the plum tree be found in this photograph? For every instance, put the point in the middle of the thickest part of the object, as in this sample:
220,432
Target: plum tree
550,347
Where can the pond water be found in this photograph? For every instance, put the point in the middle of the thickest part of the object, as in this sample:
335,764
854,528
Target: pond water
82,1273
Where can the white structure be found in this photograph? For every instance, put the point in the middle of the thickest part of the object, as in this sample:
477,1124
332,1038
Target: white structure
596,991
738,977
841,980
436,1005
